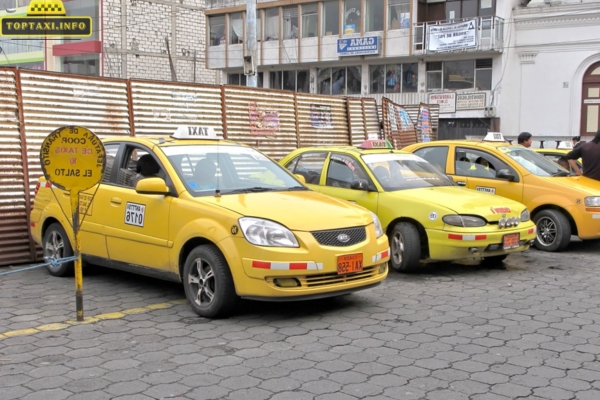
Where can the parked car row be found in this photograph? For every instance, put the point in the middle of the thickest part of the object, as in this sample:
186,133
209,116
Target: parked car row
229,222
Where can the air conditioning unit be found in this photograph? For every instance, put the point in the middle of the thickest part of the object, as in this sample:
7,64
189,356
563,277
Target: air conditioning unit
489,111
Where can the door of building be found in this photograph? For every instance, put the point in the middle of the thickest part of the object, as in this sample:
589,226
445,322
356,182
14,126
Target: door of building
461,128
590,107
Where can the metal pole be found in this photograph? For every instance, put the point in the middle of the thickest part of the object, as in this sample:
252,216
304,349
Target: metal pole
251,80
77,253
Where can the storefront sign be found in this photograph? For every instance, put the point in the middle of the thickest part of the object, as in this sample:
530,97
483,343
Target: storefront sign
359,46
448,37
470,101
446,101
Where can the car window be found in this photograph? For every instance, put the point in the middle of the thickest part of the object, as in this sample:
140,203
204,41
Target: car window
479,164
343,170
138,164
435,155
111,152
309,165
404,171
230,169
533,162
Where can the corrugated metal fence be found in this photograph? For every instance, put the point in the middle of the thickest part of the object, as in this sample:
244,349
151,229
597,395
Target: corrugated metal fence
34,103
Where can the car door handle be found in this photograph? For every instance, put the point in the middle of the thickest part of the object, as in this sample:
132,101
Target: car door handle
461,183
116,200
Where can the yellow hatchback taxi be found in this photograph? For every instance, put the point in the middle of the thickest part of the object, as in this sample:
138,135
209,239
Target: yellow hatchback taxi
558,155
425,215
221,217
561,205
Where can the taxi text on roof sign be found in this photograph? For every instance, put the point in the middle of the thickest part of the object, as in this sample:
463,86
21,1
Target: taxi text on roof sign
195,132
494,137
46,18
375,144
565,145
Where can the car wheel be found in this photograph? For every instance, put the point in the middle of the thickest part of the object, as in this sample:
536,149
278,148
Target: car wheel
553,230
56,244
208,283
493,262
405,247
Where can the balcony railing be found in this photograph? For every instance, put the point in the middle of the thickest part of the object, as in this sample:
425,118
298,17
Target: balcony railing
489,36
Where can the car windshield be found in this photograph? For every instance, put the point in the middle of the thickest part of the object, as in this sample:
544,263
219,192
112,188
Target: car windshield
533,162
404,171
231,169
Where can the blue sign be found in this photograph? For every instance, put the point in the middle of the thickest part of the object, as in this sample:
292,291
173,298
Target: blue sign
359,46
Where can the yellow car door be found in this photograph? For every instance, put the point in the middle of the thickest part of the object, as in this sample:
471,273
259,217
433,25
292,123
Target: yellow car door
345,177
485,172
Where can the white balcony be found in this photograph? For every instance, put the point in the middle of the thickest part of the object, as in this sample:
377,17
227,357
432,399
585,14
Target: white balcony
489,36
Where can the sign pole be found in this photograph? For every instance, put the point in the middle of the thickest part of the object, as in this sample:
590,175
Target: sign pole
77,253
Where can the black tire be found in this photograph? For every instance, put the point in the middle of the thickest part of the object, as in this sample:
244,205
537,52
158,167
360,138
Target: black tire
493,262
208,283
553,230
56,244
405,247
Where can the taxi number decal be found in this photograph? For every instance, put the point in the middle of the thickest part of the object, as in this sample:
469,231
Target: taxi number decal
134,214
486,189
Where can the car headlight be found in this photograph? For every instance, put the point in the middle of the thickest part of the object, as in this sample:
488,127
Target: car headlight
592,201
525,215
378,227
466,221
262,232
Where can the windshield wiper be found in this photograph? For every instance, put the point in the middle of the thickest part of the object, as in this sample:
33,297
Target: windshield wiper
561,173
255,189
294,188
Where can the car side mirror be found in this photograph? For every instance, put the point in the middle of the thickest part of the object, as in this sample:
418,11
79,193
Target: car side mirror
360,184
152,186
505,174
301,178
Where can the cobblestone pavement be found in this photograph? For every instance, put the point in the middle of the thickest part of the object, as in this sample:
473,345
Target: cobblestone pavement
529,330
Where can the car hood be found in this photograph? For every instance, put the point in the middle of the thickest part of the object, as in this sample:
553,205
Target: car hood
464,201
301,211
586,185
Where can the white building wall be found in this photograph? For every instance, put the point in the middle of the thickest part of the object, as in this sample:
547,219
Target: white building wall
554,45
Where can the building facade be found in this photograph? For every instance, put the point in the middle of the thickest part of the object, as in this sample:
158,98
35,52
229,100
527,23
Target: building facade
492,65
130,39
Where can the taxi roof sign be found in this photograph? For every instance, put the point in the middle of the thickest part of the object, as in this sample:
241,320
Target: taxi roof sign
375,144
494,137
195,132
565,145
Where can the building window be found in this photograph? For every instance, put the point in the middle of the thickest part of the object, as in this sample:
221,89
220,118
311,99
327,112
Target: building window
457,75
217,30
374,16
395,78
309,20
236,28
271,24
352,16
290,22
240,79
398,14
297,81
467,8
331,18
81,64
344,80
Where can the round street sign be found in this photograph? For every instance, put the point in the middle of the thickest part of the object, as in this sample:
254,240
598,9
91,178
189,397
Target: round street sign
73,158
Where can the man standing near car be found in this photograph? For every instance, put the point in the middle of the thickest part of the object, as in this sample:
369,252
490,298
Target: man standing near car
525,139
590,158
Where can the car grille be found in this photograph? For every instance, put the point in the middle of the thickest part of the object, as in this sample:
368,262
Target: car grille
331,238
308,281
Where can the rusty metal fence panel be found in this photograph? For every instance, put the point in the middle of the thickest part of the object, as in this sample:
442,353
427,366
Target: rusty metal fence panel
279,137
161,107
371,116
15,245
356,120
334,132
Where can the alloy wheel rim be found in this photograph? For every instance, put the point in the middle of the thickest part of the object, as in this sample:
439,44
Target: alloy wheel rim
546,231
55,247
201,280
397,248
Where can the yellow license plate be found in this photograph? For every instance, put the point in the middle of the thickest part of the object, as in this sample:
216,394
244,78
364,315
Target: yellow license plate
349,263
510,241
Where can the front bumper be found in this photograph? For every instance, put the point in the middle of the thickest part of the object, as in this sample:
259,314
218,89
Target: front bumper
447,245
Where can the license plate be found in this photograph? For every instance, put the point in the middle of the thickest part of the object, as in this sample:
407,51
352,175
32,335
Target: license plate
349,263
510,241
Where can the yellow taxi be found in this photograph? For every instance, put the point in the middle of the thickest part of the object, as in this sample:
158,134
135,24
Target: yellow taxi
425,215
195,209
558,155
561,205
